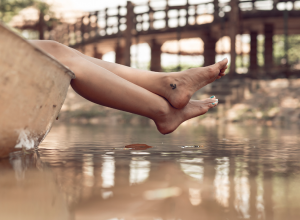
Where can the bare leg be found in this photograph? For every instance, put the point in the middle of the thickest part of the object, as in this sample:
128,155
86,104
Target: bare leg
177,87
105,88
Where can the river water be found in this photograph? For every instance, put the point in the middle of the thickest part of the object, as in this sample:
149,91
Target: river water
220,172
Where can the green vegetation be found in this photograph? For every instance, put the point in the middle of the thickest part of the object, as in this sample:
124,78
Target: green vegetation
91,113
9,8
260,50
177,68
293,49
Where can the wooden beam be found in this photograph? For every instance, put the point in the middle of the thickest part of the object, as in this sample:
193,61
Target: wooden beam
155,56
128,33
209,48
253,54
233,20
268,52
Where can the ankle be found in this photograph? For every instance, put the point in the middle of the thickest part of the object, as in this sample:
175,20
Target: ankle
161,110
166,119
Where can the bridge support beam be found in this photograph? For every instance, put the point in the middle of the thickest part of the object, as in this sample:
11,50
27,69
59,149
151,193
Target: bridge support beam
155,64
128,33
120,54
209,52
97,54
233,30
268,53
253,54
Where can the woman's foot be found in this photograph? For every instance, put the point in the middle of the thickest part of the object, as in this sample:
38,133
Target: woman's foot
179,87
170,120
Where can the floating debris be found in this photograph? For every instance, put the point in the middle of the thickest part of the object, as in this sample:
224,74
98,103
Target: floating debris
195,146
138,146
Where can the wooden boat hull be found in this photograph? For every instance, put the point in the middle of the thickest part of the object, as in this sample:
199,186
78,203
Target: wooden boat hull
33,87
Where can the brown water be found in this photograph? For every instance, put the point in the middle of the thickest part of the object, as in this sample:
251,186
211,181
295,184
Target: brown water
85,172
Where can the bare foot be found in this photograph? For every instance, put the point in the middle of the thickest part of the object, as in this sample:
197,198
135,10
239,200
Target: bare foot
179,87
168,122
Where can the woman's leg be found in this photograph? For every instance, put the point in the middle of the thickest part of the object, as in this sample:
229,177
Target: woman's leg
105,88
176,87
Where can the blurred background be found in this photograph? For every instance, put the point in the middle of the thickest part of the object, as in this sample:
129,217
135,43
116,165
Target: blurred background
261,37
208,167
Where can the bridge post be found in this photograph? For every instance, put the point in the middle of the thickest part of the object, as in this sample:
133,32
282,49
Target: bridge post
41,25
216,10
209,52
97,54
187,6
128,33
82,30
233,22
253,53
166,12
119,54
268,53
151,16
155,64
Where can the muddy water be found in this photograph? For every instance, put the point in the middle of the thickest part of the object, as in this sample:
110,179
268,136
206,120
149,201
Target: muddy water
225,172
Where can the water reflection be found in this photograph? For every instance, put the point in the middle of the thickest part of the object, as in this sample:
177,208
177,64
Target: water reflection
108,171
28,190
221,181
139,170
191,168
237,173
242,189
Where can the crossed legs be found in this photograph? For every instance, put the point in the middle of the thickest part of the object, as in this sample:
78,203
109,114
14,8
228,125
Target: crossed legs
135,91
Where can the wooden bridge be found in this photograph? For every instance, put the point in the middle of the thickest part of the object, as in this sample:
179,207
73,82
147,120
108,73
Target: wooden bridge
116,29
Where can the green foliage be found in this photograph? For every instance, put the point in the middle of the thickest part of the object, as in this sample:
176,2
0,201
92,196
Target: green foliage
293,49
49,16
88,113
260,50
177,68
9,8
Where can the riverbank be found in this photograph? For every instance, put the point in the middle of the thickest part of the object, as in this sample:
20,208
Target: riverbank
270,102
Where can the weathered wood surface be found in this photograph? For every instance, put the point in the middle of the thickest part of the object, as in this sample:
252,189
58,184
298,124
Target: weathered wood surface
33,87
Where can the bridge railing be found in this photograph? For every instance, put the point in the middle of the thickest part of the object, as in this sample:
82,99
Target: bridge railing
113,22
174,16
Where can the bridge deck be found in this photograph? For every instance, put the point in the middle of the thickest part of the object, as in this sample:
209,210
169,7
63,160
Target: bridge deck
120,27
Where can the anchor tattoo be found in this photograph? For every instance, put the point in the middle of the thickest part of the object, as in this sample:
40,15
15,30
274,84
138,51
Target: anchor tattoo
173,86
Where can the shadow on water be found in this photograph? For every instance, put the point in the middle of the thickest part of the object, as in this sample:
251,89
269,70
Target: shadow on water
88,172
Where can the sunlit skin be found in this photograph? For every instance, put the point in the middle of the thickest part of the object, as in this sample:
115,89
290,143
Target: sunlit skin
162,97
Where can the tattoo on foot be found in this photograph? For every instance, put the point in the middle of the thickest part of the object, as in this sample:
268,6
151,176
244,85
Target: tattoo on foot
173,86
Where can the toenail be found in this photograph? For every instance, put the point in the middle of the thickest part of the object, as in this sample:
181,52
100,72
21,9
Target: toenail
212,96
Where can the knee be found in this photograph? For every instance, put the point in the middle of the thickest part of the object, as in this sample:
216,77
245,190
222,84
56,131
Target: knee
59,51
51,47
45,44
52,44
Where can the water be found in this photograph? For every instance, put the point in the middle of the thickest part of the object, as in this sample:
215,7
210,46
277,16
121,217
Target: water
220,172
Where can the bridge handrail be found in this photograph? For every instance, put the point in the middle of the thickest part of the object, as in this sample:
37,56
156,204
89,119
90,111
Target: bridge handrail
103,23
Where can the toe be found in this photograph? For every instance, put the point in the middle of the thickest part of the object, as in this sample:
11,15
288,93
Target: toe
220,75
223,63
214,104
222,71
211,102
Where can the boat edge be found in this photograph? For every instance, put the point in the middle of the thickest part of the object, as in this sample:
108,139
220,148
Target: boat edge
43,53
